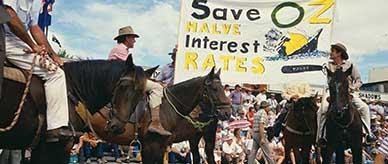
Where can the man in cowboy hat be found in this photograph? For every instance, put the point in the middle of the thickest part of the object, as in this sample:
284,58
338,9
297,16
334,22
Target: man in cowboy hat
166,76
339,57
126,39
259,136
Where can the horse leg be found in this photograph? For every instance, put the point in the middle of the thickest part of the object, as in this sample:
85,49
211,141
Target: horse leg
287,153
340,154
327,153
210,140
305,154
357,150
194,148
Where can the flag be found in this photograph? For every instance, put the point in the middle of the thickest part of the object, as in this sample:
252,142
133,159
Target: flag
55,39
45,14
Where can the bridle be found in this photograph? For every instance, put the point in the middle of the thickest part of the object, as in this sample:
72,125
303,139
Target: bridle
205,98
111,107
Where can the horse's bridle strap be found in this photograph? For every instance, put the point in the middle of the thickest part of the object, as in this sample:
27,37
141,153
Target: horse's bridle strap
196,124
298,132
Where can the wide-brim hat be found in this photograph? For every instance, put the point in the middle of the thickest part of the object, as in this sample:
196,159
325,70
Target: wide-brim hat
127,30
341,47
264,104
296,90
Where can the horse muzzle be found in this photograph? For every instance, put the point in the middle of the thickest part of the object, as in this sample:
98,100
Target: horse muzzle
224,112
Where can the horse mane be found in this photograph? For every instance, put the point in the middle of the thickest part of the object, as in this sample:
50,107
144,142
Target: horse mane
92,81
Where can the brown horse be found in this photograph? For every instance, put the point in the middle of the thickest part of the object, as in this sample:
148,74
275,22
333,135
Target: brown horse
343,125
300,129
91,82
178,102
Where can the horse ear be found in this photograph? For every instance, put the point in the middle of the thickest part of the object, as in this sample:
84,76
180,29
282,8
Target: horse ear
329,73
218,72
129,62
316,97
151,71
349,71
211,73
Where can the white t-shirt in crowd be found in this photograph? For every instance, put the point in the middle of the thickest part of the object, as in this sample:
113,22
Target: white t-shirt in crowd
232,148
261,97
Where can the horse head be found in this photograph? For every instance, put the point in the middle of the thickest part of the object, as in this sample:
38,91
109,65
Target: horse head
307,104
129,90
340,100
213,94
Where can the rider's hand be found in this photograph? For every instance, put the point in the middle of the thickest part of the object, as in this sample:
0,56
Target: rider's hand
57,59
36,49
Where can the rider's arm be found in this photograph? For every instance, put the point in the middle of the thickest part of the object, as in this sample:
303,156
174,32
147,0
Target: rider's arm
40,38
356,76
16,26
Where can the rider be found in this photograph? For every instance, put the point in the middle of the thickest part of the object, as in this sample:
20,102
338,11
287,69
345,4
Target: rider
166,76
19,50
340,58
125,40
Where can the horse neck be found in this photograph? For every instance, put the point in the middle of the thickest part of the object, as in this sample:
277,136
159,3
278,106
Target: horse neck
92,82
187,93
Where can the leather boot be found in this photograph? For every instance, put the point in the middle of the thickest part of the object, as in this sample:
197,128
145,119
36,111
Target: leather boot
155,125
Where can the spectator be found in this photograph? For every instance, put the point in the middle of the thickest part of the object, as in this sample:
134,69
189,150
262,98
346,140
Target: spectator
237,100
105,146
250,115
166,76
231,151
240,142
87,142
227,90
259,138
273,102
262,96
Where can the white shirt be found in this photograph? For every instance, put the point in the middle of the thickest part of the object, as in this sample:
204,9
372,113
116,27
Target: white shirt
28,13
261,97
166,74
273,103
232,148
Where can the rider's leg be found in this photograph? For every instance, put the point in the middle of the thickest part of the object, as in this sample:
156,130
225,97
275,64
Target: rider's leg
321,116
156,94
55,89
363,108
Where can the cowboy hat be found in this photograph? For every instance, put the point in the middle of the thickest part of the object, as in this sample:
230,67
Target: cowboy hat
296,90
264,104
342,48
127,30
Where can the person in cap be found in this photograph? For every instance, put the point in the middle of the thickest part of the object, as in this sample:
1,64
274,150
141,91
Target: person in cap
339,60
237,99
166,76
231,150
22,48
126,39
259,134
273,102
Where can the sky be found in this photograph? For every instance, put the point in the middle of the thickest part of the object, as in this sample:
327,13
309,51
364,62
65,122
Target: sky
86,28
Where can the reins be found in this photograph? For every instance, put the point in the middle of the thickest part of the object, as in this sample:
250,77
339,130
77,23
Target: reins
22,100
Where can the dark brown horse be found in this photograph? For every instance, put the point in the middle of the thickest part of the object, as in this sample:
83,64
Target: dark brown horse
91,82
343,125
300,129
177,103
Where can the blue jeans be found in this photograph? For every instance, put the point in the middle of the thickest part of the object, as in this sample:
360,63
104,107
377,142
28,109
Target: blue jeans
236,108
102,146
